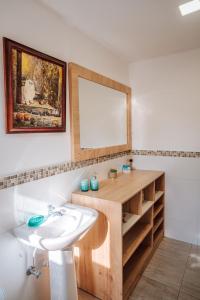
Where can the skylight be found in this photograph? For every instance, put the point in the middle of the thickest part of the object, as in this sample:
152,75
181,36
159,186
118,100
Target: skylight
189,7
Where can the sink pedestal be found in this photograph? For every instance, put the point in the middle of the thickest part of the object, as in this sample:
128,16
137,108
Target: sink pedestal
62,275
64,226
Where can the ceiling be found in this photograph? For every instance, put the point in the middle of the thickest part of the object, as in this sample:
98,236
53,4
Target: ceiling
133,29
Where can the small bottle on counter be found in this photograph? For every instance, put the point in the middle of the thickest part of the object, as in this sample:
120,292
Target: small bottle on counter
112,173
126,169
84,185
131,164
94,183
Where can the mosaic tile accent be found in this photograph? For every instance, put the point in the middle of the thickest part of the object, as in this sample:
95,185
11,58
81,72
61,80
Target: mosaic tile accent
166,153
40,173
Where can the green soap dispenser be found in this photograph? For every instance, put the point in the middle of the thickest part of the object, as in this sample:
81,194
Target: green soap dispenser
36,221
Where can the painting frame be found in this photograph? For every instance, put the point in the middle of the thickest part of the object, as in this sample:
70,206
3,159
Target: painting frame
59,66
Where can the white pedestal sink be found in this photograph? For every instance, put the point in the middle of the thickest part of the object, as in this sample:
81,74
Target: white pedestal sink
62,275
65,226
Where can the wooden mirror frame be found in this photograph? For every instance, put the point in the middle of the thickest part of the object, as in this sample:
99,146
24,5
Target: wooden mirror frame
78,154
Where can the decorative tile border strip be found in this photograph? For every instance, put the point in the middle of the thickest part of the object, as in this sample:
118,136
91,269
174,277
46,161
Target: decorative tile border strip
166,153
40,173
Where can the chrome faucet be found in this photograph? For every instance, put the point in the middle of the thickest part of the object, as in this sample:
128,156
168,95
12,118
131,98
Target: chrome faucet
52,211
32,270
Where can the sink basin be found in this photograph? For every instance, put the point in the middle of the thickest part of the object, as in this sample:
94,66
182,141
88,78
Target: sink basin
61,229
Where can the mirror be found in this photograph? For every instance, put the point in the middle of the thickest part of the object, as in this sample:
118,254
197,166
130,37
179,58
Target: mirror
100,114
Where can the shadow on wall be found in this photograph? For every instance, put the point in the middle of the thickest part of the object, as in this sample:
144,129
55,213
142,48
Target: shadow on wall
34,197
14,259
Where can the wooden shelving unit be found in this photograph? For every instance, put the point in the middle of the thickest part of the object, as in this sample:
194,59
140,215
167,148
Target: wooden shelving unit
158,211
113,255
133,269
134,237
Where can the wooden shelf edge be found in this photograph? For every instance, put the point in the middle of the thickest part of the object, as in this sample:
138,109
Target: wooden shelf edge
135,272
135,218
156,212
136,243
158,239
155,227
127,226
158,195
147,256
146,206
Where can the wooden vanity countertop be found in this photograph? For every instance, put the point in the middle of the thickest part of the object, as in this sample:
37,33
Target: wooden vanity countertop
124,187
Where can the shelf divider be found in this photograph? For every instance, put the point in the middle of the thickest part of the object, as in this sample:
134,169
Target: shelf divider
133,239
134,269
157,210
131,220
155,227
158,195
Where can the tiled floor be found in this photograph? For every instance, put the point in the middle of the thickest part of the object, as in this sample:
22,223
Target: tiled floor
173,273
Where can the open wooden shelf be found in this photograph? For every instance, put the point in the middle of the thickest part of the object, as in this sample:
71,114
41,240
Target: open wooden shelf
130,221
134,267
148,192
158,195
133,239
157,224
157,210
146,205
160,183
158,235
133,205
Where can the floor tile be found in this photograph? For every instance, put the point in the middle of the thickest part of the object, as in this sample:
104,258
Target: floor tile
191,283
166,271
171,245
194,259
148,289
191,279
169,262
183,296
173,249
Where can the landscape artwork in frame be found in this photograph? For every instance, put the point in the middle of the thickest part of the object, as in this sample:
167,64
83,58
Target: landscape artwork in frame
35,90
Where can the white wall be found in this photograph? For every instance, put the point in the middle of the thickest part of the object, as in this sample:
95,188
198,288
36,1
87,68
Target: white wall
166,117
166,102
33,25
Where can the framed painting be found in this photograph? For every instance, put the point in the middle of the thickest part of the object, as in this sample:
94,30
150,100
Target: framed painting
35,90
